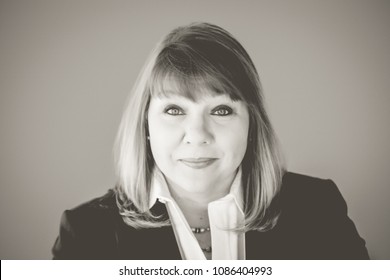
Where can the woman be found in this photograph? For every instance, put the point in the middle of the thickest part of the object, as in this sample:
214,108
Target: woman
199,171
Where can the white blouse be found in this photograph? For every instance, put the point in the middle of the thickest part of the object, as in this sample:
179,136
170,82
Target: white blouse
225,212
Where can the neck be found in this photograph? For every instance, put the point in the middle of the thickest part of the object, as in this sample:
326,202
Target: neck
194,205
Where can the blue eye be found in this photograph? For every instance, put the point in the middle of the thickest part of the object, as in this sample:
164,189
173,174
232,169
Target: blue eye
173,111
222,111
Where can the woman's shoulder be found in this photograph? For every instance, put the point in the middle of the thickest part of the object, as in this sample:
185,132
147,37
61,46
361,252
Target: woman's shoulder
296,184
96,211
104,202
302,180
313,222
88,230
303,192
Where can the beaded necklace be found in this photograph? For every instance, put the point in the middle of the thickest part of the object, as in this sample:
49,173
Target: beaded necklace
202,230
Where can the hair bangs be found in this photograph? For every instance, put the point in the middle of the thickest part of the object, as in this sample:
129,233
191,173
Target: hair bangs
190,76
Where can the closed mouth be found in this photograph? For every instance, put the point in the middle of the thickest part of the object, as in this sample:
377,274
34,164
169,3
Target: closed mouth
198,163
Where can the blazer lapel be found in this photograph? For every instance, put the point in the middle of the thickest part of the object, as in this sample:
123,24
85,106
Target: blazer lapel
148,243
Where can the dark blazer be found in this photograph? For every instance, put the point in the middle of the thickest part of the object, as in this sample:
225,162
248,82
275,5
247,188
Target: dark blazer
313,225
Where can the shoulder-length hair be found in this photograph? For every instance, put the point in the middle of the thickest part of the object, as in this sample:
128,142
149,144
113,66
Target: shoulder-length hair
198,55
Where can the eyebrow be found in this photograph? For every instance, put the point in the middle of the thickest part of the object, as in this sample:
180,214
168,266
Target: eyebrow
184,101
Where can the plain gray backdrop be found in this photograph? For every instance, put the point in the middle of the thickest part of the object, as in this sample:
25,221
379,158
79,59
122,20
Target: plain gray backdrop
66,68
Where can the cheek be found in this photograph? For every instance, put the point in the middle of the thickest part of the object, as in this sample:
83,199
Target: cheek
235,147
163,139
233,142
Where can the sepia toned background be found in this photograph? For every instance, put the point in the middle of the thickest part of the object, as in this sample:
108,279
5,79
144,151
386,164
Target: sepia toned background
66,68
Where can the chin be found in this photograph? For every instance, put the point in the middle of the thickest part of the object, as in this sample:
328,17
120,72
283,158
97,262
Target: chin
197,180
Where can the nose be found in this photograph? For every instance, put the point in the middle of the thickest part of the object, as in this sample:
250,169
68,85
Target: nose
197,131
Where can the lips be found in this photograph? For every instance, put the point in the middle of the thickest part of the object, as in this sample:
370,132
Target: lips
198,163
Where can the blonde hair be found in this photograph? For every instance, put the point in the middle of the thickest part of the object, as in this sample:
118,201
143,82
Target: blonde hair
199,54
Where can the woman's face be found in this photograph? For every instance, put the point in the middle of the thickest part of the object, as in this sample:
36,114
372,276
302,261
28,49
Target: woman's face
198,145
